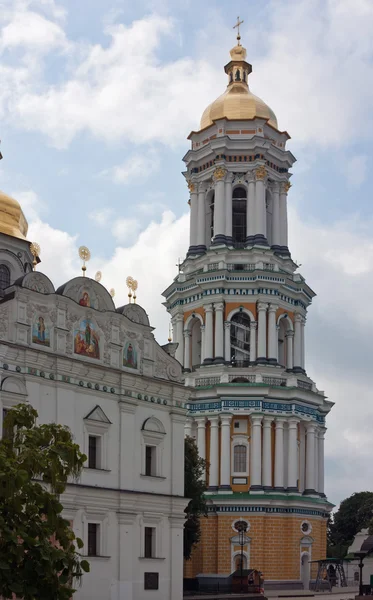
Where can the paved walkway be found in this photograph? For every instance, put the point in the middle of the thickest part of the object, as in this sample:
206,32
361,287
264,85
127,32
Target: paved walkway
336,594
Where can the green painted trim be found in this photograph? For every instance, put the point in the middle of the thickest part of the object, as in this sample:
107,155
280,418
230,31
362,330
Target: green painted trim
239,496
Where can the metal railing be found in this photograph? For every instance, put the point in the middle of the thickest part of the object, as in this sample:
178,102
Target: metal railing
278,381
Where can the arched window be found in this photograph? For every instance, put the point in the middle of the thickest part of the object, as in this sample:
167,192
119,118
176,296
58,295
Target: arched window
237,562
4,278
239,459
210,221
239,207
240,339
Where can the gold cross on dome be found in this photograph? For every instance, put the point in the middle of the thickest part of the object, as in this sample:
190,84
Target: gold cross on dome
237,26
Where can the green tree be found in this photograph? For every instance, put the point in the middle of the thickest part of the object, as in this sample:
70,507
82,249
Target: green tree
354,514
38,555
194,488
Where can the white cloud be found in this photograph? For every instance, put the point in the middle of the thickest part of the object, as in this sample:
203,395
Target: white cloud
125,230
32,31
101,217
135,169
31,204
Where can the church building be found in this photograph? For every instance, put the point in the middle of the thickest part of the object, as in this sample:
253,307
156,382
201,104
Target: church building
239,308
83,362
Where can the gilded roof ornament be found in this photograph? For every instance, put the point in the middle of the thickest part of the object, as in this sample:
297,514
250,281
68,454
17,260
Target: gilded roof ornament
132,287
237,26
98,276
85,255
112,292
35,251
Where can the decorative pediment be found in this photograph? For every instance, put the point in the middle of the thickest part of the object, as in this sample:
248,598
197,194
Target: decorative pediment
135,313
154,425
97,414
14,385
87,293
167,367
307,540
36,281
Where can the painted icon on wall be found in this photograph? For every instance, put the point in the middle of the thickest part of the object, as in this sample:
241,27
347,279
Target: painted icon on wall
84,300
40,332
87,339
130,355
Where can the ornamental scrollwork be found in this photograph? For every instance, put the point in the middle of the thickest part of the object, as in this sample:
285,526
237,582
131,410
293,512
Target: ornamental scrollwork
191,186
287,186
219,173
261,172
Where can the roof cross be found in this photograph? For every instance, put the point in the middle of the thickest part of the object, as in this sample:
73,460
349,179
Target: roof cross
237,26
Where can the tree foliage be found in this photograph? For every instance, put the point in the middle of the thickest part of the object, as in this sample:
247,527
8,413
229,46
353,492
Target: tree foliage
38,556
194,488
354,514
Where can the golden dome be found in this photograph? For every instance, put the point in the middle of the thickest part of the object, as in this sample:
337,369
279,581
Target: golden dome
12,219
237,103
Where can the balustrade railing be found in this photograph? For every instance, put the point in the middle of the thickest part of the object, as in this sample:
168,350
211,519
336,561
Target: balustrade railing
278,381
202,381
304,385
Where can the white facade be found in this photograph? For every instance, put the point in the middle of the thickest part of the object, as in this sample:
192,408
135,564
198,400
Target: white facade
84,363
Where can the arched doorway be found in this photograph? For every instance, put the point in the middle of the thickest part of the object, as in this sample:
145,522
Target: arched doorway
269,212
239,207
196,342
238,560
240,339
305,570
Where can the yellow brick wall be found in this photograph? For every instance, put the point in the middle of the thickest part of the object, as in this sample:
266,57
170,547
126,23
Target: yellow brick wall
275,547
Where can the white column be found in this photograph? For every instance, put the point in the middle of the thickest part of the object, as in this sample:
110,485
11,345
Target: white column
289,349
302,458
310,458
193,214
260,206
303,325
253,328
284,215
202,343
201,228
214,453
272,334
188,428
228,207
293,455
276,216
267,452
317,459
179,328
297,342
250,209
279,455
227,341
321,488
219,332
219,208
262,332
187,336
225,452
256,452
201,439
209,333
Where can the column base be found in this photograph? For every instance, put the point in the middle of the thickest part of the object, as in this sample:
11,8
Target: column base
229,240
261,360
279,488
208,361
292,490
276,248
213,488
200,249
219,240
322,495
249,240
260,240
267,488
219,360
187,370
192,251
284,250
299,370
225,488
272,361
310,493
256,488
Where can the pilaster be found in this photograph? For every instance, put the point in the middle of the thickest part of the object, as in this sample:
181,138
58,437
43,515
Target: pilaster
225,453
262,332
219,333
219,208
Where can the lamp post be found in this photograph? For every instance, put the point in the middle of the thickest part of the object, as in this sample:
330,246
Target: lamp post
241,527
360,556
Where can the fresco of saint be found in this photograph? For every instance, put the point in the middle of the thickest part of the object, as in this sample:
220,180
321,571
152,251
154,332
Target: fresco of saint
87,339
130,356
40,332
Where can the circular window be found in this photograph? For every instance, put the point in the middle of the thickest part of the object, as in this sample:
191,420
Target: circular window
240,525
306,527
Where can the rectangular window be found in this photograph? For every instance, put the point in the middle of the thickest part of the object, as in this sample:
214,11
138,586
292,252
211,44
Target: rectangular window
94,448
93,539
239,459
150,461
149,542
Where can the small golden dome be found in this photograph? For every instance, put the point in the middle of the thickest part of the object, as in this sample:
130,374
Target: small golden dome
12,219
237,103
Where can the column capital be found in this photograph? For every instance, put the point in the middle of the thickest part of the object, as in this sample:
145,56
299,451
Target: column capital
272,308
267,421
256,419
219,174
187,333
322,432
250,176
208,308
179,317
262,306
310,427
192,186
293,423
298,318
289,333
201,422
285,187
229,177
261,173
202,187
227,324
219,306
303,321
279,422
275,187
253,325
225,419
214,421
202,327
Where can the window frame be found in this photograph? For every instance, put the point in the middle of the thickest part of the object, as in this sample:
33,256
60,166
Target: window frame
154,436
240,440
97,540
99,429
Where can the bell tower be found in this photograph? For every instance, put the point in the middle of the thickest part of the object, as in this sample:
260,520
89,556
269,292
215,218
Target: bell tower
238,309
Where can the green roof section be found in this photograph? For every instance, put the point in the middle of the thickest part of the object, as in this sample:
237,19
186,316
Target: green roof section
239,496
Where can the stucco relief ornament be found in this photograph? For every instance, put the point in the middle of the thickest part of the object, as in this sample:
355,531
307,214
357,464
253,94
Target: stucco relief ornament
261,172
219,173
191,186
3,322
287,186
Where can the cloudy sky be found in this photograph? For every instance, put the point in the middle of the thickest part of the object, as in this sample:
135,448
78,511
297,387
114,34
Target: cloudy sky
97,99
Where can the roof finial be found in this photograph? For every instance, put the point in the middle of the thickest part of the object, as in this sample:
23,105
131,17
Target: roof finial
237,26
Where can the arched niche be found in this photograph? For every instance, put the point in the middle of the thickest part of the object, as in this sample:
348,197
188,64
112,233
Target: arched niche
135,313
284,325
154,425
36,281
14,385
193,326
269,217
239,220
209,211
87,292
